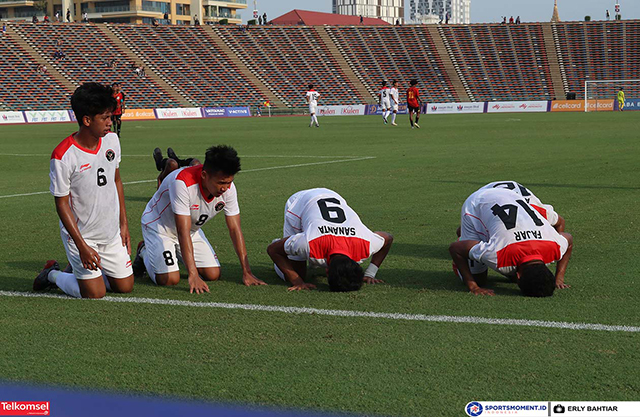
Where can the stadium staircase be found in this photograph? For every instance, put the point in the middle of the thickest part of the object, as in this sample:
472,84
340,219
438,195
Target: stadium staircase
239,62
149,72
449,66
559,82
337,51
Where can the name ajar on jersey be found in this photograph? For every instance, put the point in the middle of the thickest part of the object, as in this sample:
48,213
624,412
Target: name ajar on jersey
527,235
337,230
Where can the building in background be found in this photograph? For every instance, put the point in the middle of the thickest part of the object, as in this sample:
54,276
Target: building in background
434,11
126,11
388,10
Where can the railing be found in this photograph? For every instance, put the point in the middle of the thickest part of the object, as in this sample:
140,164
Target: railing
108,9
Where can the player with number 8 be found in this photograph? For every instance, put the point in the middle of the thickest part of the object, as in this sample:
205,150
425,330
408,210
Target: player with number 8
171,223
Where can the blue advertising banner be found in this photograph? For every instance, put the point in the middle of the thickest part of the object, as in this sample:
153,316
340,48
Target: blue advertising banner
629,104
226,111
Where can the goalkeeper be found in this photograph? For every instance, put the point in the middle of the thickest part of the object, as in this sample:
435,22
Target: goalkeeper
621,99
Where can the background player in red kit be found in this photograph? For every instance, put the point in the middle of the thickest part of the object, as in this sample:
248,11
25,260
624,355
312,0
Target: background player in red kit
413,103
116,118
89,198
321,228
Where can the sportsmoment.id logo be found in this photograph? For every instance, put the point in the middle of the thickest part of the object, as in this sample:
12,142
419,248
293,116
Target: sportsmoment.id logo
24,408
510,408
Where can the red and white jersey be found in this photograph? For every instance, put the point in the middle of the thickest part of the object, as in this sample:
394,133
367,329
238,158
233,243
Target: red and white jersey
394,95
385,95
88,177
511,231
313,96
181,193
328,226
546,210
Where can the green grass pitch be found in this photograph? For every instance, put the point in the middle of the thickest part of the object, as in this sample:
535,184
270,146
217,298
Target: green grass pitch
586,165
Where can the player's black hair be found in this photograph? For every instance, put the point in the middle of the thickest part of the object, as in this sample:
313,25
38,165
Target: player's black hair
310,86
393,82
221,158
114,84
413,82
344,274
536,280
90,99
384,83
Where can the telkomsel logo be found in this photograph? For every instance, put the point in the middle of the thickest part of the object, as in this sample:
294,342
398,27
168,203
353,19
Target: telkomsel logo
24,408
474,409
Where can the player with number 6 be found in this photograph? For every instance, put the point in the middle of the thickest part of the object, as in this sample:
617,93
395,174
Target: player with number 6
505,227
319,227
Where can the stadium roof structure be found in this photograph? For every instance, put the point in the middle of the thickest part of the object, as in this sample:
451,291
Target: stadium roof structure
305,17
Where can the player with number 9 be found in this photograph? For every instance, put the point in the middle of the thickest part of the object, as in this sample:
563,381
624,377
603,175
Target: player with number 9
319,227
172,223
501,230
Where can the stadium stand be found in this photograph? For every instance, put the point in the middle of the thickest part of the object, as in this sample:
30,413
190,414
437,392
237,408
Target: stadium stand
87,53
500,62
22,87
395,53
598,51
215,66
287,59
190,63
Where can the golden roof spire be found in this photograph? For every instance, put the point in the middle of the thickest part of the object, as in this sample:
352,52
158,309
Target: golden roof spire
556,17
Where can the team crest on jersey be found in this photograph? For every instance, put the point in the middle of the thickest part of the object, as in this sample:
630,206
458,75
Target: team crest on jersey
110,155
220,206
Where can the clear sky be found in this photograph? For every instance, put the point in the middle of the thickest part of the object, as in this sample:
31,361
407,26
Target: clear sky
482,11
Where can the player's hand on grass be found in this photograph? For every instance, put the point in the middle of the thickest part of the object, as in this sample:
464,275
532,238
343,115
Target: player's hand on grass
197,285
560,285
302,287
369,280
89,257
481,291
249,280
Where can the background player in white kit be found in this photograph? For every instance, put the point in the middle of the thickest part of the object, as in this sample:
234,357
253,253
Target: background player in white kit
89,198
312,99
395,101
321,228
385,101
171,223
501,230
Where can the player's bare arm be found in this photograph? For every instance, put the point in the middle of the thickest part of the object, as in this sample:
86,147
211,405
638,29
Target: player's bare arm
292,271
124,224
90,258
380,256
237,238
459,251
561,268
183,226
559,226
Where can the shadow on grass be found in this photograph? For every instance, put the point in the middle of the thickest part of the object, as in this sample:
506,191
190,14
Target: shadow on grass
421,250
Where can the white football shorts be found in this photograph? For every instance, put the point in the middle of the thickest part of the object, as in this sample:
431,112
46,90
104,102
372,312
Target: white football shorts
162,253
395,107
312,108
115,262
468,232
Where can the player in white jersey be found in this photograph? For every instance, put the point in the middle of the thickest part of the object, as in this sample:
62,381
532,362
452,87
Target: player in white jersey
312,99
546,210
385,101
321,228
395,101
499,229
171,223
89,198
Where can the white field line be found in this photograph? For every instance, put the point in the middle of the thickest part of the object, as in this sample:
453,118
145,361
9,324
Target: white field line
345,313
48,155
337,161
